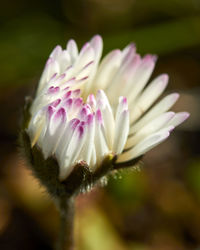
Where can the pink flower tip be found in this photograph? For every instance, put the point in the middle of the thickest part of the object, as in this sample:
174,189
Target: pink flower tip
53,90
56,102
69,102
68,94
80,130
186,115
50,111
78,102
61,113
74,123
97,37
124,100
90,119
99,116
150,58
165,78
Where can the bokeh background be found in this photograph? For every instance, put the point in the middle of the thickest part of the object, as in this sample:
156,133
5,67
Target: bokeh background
154,208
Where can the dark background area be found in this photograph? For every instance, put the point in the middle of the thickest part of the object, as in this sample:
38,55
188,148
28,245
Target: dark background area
156,207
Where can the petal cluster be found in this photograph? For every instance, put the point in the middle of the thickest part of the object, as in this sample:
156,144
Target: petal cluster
85,108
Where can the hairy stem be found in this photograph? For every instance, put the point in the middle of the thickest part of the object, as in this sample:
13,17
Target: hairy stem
65,238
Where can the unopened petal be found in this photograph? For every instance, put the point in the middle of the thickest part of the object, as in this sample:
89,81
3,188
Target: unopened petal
72,151
121,132
73,50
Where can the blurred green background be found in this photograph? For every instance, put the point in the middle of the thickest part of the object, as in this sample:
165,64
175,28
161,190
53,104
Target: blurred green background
157,207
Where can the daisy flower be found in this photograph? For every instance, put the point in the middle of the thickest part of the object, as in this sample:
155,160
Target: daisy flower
87,108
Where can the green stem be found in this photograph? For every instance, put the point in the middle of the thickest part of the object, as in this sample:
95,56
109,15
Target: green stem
65,238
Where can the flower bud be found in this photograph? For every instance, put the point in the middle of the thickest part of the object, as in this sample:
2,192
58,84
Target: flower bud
90,117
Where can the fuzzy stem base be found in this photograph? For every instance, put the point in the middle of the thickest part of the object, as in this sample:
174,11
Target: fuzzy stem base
66,235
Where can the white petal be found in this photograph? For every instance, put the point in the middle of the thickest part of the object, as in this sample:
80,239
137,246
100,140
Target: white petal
100,142
93,161
73,50
142,76
86,153
128,52
91,101
36,126
178,119
51,68
129,72
149,96
58,118
97,44
151,127
76,105
86,56
54,132
45,98
64,60
84,112
68,83
121,132
72,151
75,93
107,116
107,69
164,105
56,52
122,106
123,79
144,146
86,70
66,138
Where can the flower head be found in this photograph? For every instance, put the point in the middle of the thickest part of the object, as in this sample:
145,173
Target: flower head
85,108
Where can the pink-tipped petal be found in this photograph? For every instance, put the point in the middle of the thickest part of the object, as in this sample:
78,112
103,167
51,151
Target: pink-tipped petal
164,105
178,118
53,90
121,132
144,146
150,128
149,96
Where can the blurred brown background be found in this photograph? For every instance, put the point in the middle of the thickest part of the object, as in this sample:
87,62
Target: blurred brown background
157,207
